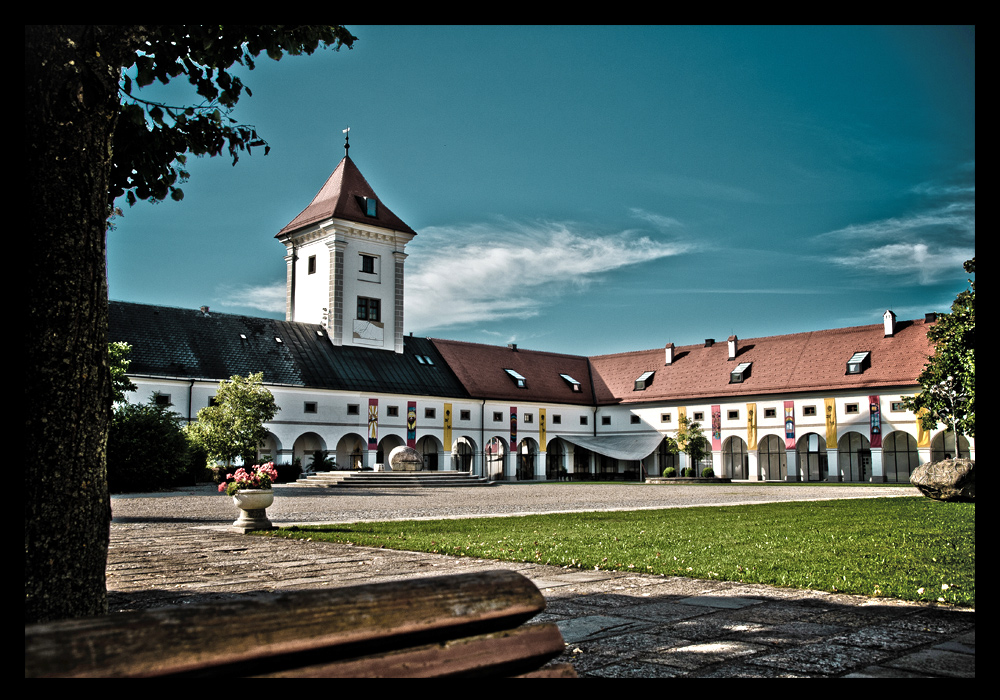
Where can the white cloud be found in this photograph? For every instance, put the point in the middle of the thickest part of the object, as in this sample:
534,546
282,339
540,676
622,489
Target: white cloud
269,298
927,245
488,272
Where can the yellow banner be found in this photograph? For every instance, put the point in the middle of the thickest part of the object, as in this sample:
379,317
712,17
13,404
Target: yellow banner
923,435
831,424
447,427
541,429
751,426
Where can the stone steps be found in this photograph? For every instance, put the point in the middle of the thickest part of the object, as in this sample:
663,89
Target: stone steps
353,479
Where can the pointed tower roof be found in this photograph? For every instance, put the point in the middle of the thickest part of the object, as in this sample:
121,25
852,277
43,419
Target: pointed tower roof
346,195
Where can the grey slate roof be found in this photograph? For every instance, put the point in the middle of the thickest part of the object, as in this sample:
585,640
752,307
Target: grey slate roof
189,344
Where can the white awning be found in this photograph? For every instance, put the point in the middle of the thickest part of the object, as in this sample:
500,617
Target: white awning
631,447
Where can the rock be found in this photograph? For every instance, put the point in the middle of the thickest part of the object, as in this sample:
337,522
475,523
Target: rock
405,459
947,480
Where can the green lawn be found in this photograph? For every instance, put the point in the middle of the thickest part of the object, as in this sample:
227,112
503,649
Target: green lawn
908,548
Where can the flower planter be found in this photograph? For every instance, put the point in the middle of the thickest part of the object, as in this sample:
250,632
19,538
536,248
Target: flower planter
253,505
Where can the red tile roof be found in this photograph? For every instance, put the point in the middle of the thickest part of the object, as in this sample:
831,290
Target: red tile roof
800,362
338,198
480,368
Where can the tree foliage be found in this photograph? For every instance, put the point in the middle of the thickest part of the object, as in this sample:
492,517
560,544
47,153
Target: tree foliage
147,448
152,139
948,381
691,439
234,425
118,362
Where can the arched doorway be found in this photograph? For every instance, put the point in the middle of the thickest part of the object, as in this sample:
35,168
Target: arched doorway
305,448
496,458
854,457
555,456
666,459
735,461
463,454
943,447
429,448
269,449
771,458
811,455
527,454
899,456
351,452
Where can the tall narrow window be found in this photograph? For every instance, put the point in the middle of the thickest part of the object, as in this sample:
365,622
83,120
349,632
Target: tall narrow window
368,264
312,264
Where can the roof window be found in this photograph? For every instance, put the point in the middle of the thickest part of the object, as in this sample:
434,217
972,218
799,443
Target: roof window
859,362
644,381
738,375
519,380
369,205
573,384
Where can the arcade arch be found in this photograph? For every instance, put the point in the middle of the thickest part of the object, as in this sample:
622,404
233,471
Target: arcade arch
735,460
771,458
899,456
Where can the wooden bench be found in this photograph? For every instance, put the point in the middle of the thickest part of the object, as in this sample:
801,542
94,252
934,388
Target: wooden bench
458,625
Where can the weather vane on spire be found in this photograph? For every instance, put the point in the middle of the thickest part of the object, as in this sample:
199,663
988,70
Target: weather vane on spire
347,140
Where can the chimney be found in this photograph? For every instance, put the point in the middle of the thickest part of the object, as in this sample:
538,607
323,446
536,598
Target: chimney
669,354
889,321
930,317
709,342
512,346
732,347
204,310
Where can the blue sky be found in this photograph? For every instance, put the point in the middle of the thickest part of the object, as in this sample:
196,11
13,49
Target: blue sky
592,190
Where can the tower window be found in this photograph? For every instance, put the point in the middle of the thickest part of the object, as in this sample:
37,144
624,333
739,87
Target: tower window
312,264
369,205
368,264
369,309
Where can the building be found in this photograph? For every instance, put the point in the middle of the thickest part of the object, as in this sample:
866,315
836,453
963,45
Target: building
813,406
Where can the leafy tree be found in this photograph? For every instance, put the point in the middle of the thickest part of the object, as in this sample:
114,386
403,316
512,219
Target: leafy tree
234,426
118,362
147,448
89,138
691,440
948,381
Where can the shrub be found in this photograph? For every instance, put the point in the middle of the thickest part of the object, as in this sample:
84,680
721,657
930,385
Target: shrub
688,471
670,472
147,449
708,473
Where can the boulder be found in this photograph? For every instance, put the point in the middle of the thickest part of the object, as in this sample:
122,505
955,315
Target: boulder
947,480
405,459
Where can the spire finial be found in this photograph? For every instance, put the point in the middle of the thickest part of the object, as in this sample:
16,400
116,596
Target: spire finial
347,140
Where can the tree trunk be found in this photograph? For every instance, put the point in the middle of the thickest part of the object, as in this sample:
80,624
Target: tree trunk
70,106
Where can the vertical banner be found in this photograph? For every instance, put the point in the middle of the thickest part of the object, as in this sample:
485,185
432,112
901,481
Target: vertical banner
372,424
831,423
716,428
411,424
447,428
875,413
751,426
789,425
923,434
541,428
513,428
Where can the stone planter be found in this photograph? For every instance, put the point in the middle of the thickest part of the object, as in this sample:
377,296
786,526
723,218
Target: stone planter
253,505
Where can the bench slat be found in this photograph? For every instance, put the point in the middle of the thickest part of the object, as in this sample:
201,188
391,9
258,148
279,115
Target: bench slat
507,653
281,631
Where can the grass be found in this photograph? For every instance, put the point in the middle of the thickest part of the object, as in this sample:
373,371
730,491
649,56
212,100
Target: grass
908,548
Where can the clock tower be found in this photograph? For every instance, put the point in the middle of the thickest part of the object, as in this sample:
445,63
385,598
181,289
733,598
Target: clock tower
344,258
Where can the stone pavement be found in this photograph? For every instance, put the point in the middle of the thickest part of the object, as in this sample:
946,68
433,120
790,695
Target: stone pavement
174,549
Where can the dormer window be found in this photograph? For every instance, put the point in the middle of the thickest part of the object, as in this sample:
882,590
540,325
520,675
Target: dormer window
740,374
573,384
519,380
644,381
859,362
369,205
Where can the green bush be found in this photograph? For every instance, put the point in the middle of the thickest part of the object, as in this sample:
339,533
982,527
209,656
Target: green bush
708,473
688,471
147,449
670,472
